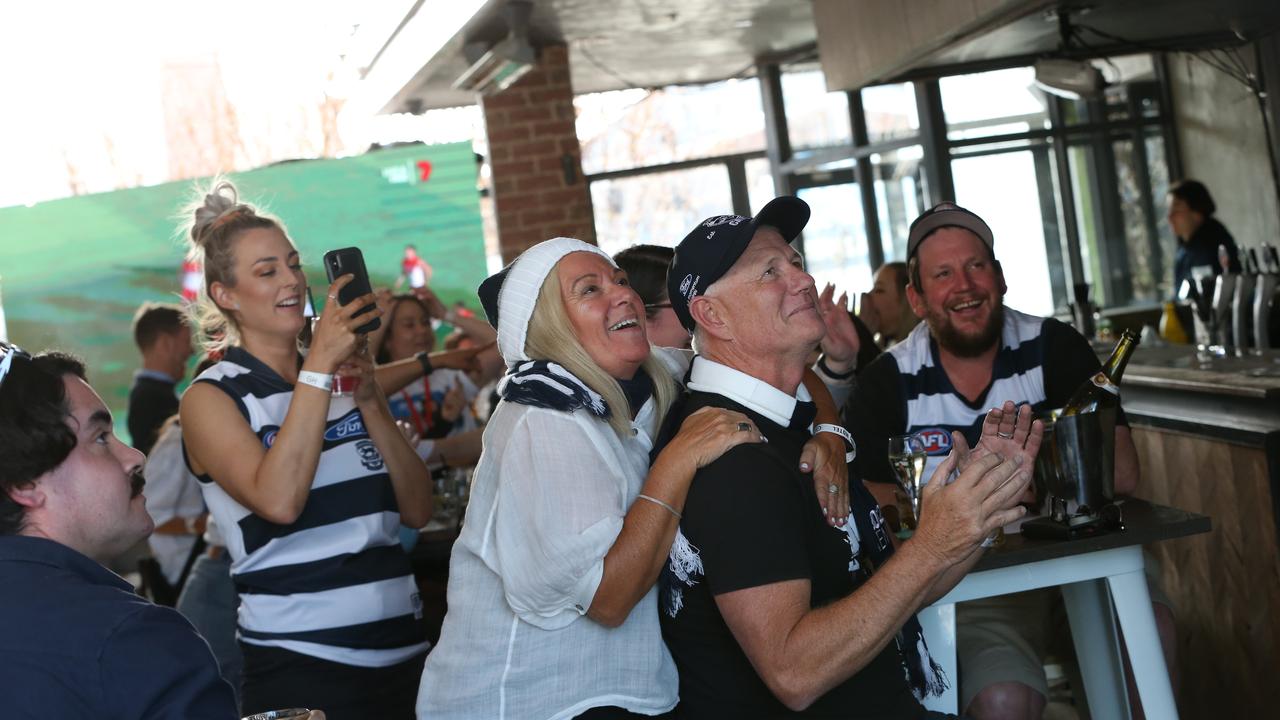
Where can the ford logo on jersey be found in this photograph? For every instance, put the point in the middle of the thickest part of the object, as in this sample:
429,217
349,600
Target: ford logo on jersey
936,440
350,426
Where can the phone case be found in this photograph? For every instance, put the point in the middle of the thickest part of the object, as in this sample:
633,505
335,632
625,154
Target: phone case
351,261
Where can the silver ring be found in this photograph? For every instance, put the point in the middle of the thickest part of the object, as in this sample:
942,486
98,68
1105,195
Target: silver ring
333,297
1006,436
833,489
744,426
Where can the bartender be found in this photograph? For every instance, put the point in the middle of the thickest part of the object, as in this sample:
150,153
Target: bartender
1199,234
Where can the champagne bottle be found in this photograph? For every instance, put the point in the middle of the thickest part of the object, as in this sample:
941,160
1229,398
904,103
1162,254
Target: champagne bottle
1103,389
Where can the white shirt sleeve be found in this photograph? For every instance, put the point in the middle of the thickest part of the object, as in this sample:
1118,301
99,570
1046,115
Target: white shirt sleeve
560,506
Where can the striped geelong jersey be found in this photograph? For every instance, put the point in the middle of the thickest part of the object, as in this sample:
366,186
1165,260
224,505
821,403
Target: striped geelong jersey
335,584
934,408
1041,361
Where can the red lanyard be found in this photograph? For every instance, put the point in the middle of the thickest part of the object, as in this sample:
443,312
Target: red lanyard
421,421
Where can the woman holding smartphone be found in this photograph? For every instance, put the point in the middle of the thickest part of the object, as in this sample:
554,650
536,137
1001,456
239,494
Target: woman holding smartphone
308,488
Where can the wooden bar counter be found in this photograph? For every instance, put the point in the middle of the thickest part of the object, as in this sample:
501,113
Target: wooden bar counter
1207,430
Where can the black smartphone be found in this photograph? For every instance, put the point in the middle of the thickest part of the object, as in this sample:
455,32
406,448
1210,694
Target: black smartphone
345,261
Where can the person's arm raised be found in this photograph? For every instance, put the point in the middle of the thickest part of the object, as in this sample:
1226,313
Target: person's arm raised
802,653
272,482
394,376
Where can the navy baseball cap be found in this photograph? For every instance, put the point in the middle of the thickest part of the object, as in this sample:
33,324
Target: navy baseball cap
946,214
710,249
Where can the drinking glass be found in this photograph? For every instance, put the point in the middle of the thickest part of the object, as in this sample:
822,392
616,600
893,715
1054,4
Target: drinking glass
907,458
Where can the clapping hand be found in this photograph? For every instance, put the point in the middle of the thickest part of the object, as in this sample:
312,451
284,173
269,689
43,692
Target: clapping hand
1009,431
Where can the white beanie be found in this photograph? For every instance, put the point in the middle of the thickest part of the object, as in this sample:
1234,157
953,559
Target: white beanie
518,286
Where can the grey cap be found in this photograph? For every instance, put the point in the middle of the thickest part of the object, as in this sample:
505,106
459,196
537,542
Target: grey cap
946,214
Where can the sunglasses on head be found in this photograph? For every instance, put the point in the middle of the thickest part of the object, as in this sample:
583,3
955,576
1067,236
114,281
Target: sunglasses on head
7,354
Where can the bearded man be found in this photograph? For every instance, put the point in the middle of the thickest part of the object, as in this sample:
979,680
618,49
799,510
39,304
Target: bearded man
969,355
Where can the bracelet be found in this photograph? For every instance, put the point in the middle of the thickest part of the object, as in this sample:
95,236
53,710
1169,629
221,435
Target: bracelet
826,369
316,380
848,439
425,361
656,501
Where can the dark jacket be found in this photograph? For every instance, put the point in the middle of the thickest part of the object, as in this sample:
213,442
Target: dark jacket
77,642
1202,249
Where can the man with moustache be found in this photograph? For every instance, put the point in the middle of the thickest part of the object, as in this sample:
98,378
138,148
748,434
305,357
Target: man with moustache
971,354
75,640
767,609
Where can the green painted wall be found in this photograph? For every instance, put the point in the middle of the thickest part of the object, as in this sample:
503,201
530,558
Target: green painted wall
73,271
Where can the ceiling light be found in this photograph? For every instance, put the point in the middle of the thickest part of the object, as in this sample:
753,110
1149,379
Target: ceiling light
503,64
1071,79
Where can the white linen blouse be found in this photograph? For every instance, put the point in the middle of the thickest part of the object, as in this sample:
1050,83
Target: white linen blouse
547,502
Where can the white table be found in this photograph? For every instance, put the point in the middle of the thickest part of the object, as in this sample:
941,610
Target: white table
1102,579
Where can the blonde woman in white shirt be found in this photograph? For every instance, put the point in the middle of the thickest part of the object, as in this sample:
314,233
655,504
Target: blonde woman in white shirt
552,607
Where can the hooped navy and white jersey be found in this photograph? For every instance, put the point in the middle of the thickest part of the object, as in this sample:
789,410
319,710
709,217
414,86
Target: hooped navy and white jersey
335,584
1040,362
934,408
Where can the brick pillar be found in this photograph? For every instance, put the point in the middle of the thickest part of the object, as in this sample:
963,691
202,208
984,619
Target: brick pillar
535,159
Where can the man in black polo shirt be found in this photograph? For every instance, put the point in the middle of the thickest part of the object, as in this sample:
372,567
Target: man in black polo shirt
767,609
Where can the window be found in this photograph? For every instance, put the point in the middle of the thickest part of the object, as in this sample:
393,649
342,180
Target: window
1001,102
890,111
1116,171
899,191
1004,188
632,129
815,118
658,208
835,240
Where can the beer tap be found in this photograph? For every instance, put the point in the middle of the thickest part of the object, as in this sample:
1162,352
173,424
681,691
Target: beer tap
1223,295
1242,303
1264,297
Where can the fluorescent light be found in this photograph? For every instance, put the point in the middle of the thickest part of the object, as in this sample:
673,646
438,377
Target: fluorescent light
1071,79
499,68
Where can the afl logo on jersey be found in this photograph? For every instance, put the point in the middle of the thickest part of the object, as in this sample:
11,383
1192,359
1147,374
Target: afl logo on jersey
936,440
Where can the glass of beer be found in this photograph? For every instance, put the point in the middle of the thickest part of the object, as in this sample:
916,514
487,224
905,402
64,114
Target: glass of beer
907,458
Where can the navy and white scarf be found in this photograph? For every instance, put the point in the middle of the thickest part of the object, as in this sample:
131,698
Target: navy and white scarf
549,385
924,675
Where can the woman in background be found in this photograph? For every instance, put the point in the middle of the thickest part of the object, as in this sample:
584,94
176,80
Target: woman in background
885,309
1199,234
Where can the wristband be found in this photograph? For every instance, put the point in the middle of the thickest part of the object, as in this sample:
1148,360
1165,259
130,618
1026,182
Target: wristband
848,439
822,365
425,361
316,380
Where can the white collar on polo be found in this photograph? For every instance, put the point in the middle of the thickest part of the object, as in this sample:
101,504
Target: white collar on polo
750,392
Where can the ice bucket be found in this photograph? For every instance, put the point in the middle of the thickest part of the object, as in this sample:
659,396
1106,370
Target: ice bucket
1084,453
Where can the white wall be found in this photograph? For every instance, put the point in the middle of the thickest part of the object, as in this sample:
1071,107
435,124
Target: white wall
1220,134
